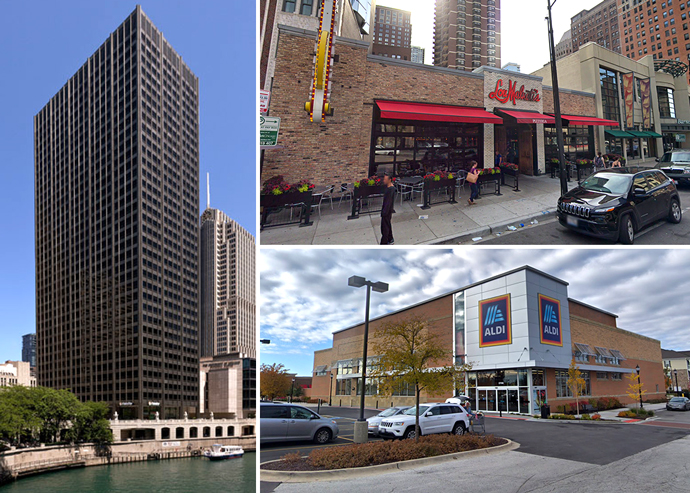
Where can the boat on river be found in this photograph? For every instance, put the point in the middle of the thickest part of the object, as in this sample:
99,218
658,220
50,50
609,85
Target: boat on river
221,452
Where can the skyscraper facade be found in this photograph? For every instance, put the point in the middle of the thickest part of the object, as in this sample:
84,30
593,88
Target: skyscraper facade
29,349
467,34
228,298
600,25
417,55
392,33
116,211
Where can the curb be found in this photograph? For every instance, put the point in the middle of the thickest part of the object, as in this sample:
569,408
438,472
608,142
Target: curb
360,472
498,227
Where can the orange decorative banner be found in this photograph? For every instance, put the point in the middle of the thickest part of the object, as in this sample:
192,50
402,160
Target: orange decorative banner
628,80
646,106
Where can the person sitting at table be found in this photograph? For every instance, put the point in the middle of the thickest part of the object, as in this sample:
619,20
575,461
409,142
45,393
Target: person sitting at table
616,163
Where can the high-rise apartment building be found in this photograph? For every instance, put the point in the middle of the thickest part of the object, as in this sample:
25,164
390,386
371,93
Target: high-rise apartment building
392,33
565,45
228,297
116,212
417,54
29,349
467,34
660,29
599,25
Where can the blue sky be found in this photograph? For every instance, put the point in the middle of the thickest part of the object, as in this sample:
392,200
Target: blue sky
305,296
43,43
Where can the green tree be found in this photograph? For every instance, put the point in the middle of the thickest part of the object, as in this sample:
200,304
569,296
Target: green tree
275,381
296,390
55,409
91,424
575,382
409,353
18,418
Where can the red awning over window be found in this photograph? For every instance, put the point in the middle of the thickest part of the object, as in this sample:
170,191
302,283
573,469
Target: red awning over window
401,110
529,116
588,120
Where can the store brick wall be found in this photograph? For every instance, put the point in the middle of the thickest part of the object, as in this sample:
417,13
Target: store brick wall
321,384
571,104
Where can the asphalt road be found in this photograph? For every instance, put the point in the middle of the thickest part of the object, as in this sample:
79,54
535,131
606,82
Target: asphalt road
551,232
585,442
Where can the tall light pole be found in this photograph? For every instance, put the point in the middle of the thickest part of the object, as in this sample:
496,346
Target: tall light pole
361,428
330,389
675,374
639,386
557,105
292,390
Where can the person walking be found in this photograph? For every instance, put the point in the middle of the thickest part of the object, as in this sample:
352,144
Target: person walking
387,211
473,177
498,160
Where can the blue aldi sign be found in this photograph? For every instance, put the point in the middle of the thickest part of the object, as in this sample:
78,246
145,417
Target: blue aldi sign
550,321
494,321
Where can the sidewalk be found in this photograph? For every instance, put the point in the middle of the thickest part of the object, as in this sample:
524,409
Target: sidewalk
445,223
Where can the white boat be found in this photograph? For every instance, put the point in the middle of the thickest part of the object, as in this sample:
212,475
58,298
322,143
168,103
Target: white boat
220,452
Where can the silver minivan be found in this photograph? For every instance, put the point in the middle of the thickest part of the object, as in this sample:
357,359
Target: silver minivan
283,422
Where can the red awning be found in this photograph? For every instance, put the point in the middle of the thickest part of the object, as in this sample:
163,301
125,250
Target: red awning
529,116
401,110
588,120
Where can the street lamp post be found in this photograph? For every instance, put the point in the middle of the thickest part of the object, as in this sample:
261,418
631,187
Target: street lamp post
292,390
639,386
557,105
330,389
361,428
675,374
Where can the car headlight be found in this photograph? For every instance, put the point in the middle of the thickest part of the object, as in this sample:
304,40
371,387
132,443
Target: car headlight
398,423
686,171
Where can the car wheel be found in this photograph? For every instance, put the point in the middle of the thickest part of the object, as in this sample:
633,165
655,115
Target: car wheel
626,231
675,214
459,429
410,434
322,436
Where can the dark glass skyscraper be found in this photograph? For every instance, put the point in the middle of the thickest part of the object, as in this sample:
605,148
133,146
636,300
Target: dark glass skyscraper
29,349
116,211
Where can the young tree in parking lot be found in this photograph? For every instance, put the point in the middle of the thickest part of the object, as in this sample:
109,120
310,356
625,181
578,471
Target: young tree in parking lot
575,382
635,390
275,381
409,354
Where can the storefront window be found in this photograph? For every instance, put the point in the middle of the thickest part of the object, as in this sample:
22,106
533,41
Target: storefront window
343,387
538,379
562,389
609,94
372,386
577,139
667,107
403,148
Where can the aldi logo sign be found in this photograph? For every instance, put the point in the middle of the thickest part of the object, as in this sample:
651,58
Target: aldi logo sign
550,321
494,321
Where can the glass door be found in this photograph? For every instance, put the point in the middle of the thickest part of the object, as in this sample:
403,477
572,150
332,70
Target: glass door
502,400
513,401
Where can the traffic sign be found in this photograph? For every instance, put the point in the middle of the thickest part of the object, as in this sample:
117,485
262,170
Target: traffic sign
269,128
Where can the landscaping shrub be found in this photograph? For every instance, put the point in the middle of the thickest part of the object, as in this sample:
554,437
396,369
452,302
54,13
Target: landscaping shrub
636,412
596,417
562,416
373,453
292,458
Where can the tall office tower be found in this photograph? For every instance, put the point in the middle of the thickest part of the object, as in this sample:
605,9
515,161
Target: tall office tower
228,297
599,25
116,201
29,349
392,33
565,45
417,54
660,29
467,34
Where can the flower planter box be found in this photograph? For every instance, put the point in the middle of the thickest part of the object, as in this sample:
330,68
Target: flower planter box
494,178
363,192
584,170
271,203
444,183
555,170
515,173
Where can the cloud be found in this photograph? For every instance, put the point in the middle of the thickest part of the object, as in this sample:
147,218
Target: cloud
305,297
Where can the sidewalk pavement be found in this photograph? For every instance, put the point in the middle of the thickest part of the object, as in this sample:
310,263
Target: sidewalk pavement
445,223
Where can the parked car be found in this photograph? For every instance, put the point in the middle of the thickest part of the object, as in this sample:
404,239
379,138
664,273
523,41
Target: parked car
385,151
616,203
433,418
676,165
678,404
374,421
285,422
457,399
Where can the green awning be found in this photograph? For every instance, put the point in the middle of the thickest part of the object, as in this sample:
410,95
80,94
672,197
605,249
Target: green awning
618,134
637,133
654,134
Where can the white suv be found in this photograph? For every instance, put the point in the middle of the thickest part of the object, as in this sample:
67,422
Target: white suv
433,418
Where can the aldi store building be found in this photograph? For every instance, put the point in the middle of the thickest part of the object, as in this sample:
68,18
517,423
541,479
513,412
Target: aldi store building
520,332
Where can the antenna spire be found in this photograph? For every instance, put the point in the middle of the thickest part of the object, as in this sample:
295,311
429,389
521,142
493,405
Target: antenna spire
208,193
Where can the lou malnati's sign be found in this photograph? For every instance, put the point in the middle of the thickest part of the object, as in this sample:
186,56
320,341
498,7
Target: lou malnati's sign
494,321
550,321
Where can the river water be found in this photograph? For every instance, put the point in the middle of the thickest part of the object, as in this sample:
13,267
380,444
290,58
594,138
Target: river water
164,476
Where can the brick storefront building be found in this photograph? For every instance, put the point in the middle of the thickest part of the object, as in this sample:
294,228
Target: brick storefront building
343,148
545,330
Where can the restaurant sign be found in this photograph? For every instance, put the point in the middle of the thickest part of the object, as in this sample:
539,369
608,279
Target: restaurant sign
512,93
550,321
494,321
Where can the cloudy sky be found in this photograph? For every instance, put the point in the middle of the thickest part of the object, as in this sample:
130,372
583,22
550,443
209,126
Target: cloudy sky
524,30
305,296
